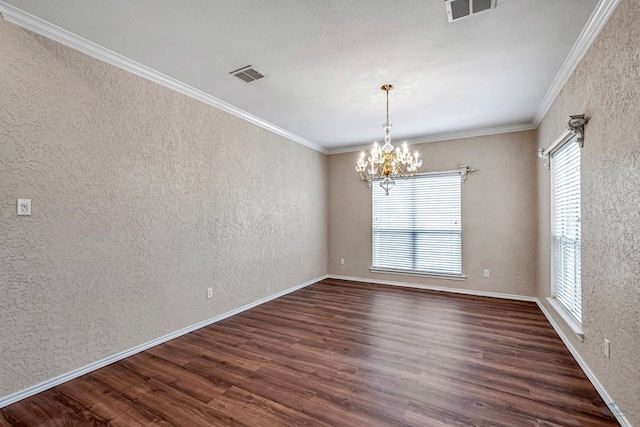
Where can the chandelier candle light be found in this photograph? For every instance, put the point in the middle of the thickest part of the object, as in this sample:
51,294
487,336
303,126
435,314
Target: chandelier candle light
386,163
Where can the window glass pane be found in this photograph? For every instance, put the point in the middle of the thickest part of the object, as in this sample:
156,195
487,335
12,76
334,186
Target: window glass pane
566,228
417,227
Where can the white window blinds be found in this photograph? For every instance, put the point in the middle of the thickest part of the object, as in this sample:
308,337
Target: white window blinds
417,227
566,227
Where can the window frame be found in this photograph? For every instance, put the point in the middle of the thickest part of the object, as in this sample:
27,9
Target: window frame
461,175
565,312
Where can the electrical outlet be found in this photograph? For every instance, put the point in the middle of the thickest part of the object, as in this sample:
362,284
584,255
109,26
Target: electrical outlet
341,261
209,292
486,273
606,348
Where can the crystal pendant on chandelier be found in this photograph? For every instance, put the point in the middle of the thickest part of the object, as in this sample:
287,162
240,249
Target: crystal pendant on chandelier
386,163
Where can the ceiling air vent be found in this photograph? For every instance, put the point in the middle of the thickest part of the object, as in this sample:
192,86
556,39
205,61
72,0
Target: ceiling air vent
458,9
247,74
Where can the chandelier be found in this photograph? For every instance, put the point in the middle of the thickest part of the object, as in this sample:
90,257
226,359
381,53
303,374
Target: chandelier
386,163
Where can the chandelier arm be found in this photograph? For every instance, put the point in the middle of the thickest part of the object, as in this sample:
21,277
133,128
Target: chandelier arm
376,171
366,176
398,164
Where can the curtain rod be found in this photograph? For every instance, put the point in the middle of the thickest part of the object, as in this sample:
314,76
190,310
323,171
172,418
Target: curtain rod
575,126
463,171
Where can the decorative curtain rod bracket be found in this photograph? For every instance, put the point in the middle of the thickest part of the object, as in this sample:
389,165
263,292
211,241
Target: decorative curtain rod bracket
575,124
575,127
464,170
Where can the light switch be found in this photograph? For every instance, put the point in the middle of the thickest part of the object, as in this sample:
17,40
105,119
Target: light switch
24,206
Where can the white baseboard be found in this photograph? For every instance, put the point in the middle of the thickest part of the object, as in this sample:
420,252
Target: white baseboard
617,412
594,380
15,397
437,288
12,398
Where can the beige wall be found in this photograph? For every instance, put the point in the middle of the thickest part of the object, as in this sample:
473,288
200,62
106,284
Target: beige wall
142,198
498,213
139,206
605,88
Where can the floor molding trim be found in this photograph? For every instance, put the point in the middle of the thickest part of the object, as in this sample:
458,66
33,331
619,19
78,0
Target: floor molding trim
15,397
617,412
437,288
585,368
39,26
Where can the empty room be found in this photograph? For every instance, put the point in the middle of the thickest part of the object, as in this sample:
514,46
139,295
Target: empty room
320,213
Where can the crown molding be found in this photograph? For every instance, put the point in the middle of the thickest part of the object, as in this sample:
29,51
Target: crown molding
594,25
447,136
39,26
596,22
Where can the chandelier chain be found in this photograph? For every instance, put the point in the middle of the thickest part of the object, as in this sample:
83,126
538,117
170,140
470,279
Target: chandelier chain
387,89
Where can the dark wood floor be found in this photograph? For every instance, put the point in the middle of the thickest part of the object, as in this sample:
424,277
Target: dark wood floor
340,354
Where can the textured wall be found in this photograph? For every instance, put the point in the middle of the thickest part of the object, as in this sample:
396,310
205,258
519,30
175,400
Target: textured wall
498,213
142,198
605,88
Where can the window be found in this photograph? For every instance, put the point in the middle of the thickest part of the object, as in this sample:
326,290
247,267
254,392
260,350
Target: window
417,227
565,163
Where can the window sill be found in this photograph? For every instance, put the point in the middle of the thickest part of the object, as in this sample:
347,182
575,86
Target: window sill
568,318
419,274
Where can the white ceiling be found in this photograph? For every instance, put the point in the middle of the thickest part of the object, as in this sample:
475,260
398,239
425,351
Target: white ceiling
325,60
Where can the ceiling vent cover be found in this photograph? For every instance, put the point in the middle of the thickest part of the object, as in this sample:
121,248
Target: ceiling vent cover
247,74
458,9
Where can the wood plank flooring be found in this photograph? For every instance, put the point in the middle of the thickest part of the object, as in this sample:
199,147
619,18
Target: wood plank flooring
339,353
